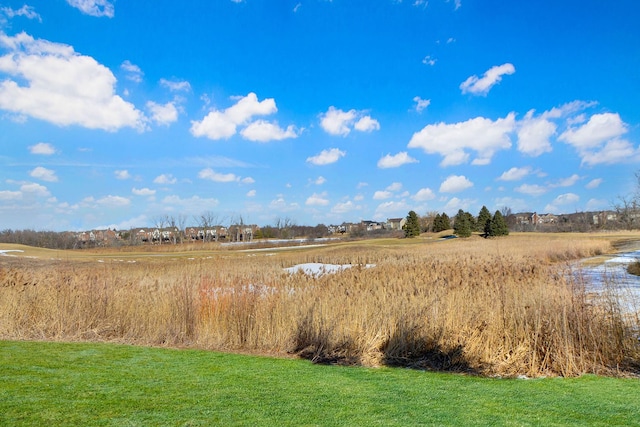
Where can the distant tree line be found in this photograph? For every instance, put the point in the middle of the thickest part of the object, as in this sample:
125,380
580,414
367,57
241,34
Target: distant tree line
464,223
42,239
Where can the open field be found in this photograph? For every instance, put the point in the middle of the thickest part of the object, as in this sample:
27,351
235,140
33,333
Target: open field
496,307
90,384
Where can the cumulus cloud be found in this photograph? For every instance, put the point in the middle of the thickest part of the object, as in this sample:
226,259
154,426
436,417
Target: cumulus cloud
35,189
317,199
163,114
326,157
396,160
423,195
428,60
143,191
421,104
194,205
113,201
42,148
44,174
176,85
165,179
452,141
96,8
341,208
561,201
264,131
598,141
481,85
534,135
122,174
340,123
223,124
515,174
382,195
251,193
455,184
52,82
594,183
212,175
567,182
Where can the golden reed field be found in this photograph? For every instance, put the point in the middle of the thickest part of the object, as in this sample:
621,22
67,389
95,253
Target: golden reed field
498,307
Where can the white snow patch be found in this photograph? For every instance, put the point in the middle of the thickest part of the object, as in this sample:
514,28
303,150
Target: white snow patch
317,269
3,252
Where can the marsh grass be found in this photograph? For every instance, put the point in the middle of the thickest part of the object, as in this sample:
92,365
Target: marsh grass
492,307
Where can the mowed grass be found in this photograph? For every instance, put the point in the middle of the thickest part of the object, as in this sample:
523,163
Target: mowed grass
62,384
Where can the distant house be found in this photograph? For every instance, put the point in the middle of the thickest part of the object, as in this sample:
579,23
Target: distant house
396,223
371,225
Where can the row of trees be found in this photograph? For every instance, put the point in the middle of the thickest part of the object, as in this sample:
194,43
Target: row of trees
464,224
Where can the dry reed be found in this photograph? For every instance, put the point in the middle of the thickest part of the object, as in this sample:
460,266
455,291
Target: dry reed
492,307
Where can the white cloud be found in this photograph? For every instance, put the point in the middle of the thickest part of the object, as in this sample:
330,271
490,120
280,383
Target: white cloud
163,114
251,193
340,123
319,180
567,182
345,207
531,189
6,195
212,175
423,195
143,191
421,104
515,174
452,141
594,183
281,205
223,124
165,179
264,131
534,135
366,124
326,157
247,180
382,195
44,174
481,86
25,11
317,200
597,204
455,184
428,60
122,174
598,141
394,186
454,204
96,8
35,189
42,148
134,73
390,209
567,199
176,85
61,86
396,160
113,201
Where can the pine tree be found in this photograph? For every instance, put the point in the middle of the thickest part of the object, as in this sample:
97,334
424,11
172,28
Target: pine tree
484,217
497,226
462,225
446,222
412,226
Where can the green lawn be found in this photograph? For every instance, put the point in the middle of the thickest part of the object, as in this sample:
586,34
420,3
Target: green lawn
51,384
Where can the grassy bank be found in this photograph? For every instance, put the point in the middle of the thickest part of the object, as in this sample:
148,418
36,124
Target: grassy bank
57,384
492,307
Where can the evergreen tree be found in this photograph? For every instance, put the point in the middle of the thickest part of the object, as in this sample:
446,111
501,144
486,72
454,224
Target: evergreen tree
484,217
437,221
497,226
462,225
412,226
446,222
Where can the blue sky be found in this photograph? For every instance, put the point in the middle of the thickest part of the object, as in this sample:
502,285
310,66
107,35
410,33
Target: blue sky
114,113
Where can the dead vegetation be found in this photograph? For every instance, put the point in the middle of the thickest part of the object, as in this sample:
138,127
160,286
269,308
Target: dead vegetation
492,307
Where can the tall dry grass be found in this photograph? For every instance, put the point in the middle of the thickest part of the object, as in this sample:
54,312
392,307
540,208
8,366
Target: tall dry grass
493,307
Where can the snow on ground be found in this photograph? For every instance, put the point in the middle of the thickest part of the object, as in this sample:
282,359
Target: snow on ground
317,269
3,252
